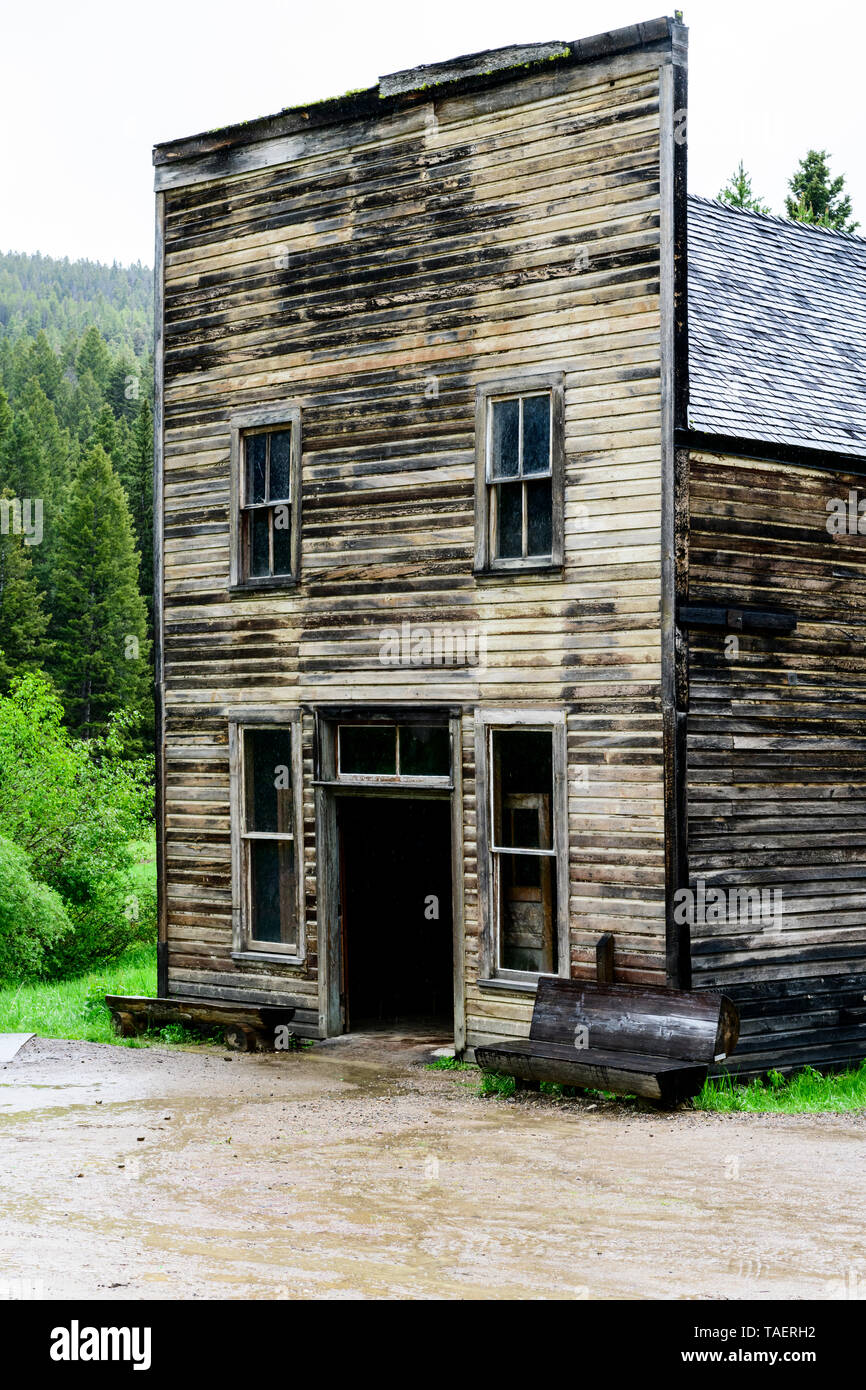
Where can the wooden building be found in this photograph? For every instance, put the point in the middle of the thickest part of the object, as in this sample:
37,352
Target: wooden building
482,633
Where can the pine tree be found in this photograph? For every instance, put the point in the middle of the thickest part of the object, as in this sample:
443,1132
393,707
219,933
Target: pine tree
737,193
137,479
817,198
100,659
43,363
93,356
5,416
22,462
54,442
124,388
57,454
113,435
86,405
23,620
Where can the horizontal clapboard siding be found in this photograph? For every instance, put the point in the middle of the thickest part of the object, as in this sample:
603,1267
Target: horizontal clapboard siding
375,282
777,756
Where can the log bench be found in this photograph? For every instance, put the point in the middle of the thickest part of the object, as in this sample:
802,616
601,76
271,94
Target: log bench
247,1026
657,1043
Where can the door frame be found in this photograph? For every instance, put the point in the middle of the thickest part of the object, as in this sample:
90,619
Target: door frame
332,1018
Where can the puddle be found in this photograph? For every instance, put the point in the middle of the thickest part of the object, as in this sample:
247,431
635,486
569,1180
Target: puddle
337,1173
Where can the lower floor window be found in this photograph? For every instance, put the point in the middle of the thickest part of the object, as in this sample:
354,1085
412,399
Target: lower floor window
268,840
523,850
273,891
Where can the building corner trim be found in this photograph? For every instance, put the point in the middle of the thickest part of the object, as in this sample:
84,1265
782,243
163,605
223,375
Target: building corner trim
673,136
158,599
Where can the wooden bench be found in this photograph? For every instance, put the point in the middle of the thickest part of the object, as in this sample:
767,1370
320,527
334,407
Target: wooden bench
656,1043
247,1026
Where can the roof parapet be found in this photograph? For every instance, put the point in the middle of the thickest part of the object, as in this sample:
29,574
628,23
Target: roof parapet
472,65
401,88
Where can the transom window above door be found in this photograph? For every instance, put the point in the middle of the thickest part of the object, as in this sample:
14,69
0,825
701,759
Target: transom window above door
519,475
396,753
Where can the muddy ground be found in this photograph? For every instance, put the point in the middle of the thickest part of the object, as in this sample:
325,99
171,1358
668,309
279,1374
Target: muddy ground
350,1171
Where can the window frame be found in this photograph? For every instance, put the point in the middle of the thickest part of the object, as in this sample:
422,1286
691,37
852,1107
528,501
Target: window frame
244,947
264,419
504,388
434,781
537,721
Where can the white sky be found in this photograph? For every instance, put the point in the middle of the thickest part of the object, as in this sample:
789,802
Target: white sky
88,87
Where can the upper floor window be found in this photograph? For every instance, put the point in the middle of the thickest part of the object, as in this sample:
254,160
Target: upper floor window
519,474
266,496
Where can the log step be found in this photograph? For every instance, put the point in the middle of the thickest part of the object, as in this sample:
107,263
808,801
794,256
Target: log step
248,1027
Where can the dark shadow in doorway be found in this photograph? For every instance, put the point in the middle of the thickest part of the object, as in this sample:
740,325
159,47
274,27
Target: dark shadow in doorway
395,871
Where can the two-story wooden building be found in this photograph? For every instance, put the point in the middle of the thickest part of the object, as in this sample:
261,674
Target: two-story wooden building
481,634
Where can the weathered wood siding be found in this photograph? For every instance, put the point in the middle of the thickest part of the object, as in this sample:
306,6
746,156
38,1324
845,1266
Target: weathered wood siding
777,755
375,281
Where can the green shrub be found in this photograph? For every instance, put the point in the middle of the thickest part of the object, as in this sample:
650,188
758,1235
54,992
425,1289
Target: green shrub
76,808
94,1006
103,929
33,920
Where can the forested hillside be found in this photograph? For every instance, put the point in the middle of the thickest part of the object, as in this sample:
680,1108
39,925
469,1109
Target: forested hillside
76,460
64,298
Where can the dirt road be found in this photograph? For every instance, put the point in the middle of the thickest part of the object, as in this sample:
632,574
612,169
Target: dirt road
350,1171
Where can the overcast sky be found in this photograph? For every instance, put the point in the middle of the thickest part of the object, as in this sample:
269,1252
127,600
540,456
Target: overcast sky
89,87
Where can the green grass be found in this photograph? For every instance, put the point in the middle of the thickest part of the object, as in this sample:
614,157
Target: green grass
805,1092
497,1084
74,1008
492,1084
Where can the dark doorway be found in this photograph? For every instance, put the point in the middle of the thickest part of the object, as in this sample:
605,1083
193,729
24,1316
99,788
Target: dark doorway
395,882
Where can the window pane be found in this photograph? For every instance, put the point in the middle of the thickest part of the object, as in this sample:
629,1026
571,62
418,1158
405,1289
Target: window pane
539,517
370,749
259,560
527,913
522,789
425,751
504,461
536,434
267,759
282,539
256,451
281,454
509,524
273,891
